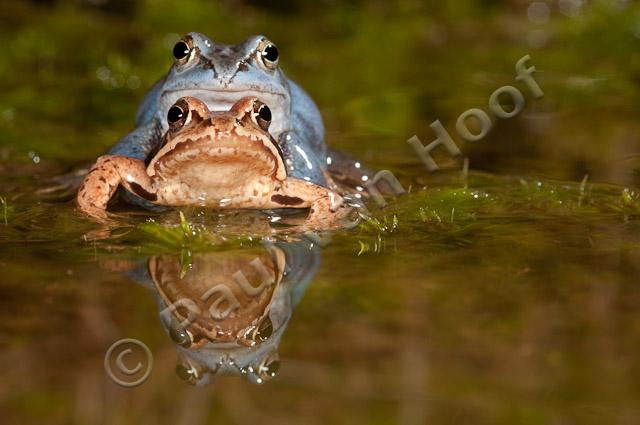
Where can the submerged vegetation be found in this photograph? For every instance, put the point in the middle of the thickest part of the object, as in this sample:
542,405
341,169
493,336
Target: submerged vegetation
5,210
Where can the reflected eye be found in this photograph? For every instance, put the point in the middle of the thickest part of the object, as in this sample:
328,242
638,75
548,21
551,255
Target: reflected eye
262,115
178,334
181,337
188,373
270,55
264,330
269,368
177,115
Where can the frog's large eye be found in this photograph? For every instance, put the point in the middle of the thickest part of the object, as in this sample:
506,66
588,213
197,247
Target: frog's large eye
177,115
269,54
182,50
261,115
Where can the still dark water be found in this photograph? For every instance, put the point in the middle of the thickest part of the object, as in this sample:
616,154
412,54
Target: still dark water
506,295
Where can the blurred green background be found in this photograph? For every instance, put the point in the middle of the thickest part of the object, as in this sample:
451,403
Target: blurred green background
381,71
507,297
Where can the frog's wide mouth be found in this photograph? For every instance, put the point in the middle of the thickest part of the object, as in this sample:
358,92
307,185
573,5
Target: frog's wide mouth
221,95
223,100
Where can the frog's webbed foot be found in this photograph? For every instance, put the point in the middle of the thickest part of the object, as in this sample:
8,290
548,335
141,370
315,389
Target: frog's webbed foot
346,170
103,180
327,209
140,144
326,214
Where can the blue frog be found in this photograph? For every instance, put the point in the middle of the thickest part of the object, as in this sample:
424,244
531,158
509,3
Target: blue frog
220,75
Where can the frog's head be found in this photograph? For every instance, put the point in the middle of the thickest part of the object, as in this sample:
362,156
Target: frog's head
212,150
221,74
258,364
226,313
217,299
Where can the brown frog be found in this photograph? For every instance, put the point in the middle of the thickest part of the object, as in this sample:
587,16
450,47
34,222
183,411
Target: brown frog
223,160
223,297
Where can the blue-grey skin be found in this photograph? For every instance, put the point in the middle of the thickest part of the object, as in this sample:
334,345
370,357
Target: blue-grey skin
220,75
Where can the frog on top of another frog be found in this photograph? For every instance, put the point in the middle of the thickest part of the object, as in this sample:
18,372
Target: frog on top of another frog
220,159
220,75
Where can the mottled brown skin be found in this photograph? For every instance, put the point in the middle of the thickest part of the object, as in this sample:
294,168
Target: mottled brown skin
214,270
223,160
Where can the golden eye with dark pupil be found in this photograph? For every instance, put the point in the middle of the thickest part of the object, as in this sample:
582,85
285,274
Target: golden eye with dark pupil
262,115
175,114
181,50
270,53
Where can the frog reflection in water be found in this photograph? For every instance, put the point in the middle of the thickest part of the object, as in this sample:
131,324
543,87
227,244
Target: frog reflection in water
224,160
227,313
220,75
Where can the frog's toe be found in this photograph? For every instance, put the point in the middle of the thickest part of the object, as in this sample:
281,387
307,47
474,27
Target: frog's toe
133,199
97,235
324,214
98,215
335,201
346,170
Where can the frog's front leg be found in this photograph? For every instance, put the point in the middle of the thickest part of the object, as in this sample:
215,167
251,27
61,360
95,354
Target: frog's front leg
104,178
327,208
140,144
137,144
